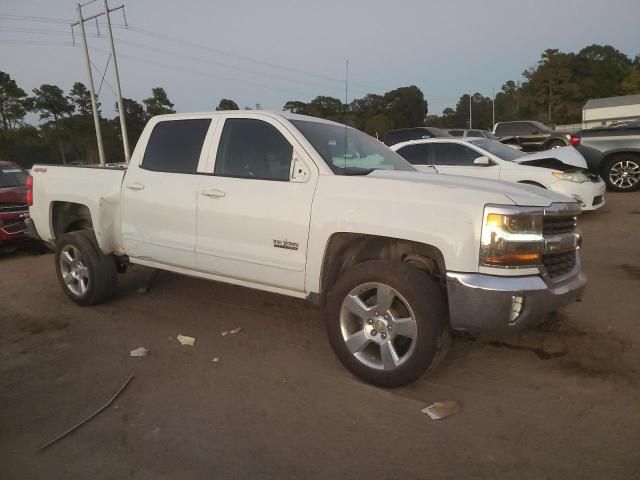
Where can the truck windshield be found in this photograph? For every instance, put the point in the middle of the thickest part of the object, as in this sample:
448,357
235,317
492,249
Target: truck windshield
12,177
348,151
498,149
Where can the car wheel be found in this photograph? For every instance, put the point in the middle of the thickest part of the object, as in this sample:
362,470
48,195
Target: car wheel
622,173
87,276
387,322
555,144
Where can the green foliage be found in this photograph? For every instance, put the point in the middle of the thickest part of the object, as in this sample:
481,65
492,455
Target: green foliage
80,97
50,101
158,103
227,104
13,102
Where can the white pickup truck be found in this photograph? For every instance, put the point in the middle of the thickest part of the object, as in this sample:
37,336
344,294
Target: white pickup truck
310,208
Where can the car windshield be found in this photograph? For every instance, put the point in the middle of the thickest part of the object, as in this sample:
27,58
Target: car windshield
12,177
498,149
348,151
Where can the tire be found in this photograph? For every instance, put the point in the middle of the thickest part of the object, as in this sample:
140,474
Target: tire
554,144
87,276
621,173
387,346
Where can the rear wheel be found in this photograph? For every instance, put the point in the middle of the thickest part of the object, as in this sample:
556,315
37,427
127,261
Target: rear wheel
87,276
387,321
622,173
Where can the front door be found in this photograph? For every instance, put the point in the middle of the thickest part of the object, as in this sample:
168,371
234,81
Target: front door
253,220
457,159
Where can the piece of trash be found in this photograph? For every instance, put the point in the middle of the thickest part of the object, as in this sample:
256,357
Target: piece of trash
185,340
139,352
231,332
440,410
215,359
78,425
143,290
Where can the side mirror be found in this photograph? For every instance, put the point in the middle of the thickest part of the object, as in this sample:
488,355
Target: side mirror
535,132
482,161
299,171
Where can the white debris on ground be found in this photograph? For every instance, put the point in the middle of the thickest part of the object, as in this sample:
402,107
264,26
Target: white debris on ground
440,410
139,352
186,340
231,332
215,359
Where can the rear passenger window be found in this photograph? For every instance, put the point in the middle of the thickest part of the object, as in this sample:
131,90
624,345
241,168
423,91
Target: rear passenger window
175,145
415,154
252,148
456,133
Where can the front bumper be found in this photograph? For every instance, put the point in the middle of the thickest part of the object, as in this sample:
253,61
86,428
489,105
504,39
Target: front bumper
589,194
480,302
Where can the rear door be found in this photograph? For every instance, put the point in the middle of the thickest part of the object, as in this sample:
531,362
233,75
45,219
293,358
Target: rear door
253,209
457,159
418,156
159,193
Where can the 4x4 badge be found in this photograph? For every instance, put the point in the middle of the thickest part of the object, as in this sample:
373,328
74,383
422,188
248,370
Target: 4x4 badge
285,244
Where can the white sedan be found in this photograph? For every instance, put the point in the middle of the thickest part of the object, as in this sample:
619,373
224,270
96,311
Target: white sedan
563,170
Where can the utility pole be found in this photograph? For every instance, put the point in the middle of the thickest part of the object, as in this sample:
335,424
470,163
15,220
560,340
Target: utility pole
123,123
470,118
549,101
493,108
94,106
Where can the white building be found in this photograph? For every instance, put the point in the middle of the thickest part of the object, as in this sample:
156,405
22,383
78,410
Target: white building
602,111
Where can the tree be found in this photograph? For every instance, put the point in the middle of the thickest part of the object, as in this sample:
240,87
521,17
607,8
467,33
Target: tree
295,106
227,104
13,102
405,107
136,119
50,101
325,107
80,97
631,84
158,103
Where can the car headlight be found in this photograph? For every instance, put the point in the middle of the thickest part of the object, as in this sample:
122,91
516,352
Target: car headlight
578,177
511,237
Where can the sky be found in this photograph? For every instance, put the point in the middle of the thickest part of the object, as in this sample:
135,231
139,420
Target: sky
270,51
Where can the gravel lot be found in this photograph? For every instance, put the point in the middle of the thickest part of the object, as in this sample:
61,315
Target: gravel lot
559,402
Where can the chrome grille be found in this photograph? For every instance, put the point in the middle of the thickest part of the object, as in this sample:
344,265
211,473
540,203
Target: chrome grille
558,224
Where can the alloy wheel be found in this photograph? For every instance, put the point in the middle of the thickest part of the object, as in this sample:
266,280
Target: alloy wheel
625,174
75,273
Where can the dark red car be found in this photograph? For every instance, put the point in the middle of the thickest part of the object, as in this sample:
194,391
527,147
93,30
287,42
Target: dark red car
13,202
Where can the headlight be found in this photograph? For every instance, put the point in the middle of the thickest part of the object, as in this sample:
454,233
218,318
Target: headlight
577,177
511,237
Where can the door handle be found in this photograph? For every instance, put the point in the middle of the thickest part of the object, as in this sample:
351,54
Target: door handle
135,186
213,193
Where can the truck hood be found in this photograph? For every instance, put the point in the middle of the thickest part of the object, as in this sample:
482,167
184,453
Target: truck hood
519,194
562,158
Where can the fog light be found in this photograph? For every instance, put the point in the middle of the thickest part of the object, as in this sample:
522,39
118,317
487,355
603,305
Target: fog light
517,304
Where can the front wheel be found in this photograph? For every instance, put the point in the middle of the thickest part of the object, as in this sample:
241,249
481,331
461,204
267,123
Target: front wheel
622,173
387,322
87,276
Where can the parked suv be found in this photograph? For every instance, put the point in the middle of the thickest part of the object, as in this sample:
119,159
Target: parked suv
530,136
13,202
613,153
405,134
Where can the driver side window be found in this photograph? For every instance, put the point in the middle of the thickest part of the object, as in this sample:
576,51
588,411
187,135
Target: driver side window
254,149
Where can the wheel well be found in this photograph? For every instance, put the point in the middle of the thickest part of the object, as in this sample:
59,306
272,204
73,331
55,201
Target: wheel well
348,249
531,182
69,217
611,156
555,140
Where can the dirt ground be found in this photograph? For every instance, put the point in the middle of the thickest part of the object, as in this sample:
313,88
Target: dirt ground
559,402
